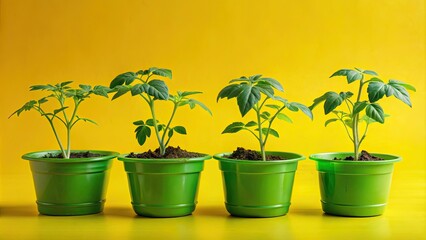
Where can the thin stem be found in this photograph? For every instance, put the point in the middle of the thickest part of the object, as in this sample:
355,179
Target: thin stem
347,104
270,122
168,124
365,132
157,134
57,137
259,124
355,123
254,134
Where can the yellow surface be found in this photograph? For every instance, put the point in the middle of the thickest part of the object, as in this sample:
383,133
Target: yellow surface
207,43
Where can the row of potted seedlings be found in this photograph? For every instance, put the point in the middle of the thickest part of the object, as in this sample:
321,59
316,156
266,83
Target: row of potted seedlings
164,182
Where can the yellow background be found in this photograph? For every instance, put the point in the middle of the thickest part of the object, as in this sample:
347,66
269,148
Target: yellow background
206,44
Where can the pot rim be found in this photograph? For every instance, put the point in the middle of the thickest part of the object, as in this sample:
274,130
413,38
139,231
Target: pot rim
392,158
219,157
123,158
36,156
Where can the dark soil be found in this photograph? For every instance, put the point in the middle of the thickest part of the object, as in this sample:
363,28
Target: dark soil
171,152
364,156
246,154
73,155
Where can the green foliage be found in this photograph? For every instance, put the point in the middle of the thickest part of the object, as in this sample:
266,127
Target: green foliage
61,92
368,111
253,93
151,90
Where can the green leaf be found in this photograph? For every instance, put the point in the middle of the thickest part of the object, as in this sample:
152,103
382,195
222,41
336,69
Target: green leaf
150,122
376,90
87,120
42,87
370,72
56,111
251,124
274,83
193,102
124,78
265,89
42,100
233,127
406,85
101,91
185,94
26,107
332,101
180,129
351,75
348,122
255,77
161,72
158,89
142,134
241,79
304,109
273,106
358,107
330,121
121,90
369,120
399,91
271,131
284,117
85,88
345,95
319,100
139,122
160,127
375,112
248,97
63,84
170,133
138,89
265,115
230,91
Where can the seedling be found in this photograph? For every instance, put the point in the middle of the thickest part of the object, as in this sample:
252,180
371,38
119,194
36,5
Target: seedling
151,91
253,93
62,92
376,90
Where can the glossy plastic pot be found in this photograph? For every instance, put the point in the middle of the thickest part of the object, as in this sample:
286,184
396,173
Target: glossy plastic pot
163,187
354,188
258,188
67,187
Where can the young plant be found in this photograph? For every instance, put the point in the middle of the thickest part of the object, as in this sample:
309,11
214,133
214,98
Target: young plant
61,92
253,93
376,90
152,90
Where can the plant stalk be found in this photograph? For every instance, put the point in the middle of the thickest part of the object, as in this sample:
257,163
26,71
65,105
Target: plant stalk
168,124
157,134
261,143
355,124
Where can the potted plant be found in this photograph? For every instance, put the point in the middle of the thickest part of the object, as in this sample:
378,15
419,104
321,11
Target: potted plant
258,184
354,183
164,182
67,182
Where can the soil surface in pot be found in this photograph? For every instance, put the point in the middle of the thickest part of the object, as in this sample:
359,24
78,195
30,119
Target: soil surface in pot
246,154
364,156
73,155
171,152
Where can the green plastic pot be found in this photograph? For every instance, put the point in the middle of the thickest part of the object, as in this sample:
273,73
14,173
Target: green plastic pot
163,187
258,188
354,188
69,187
